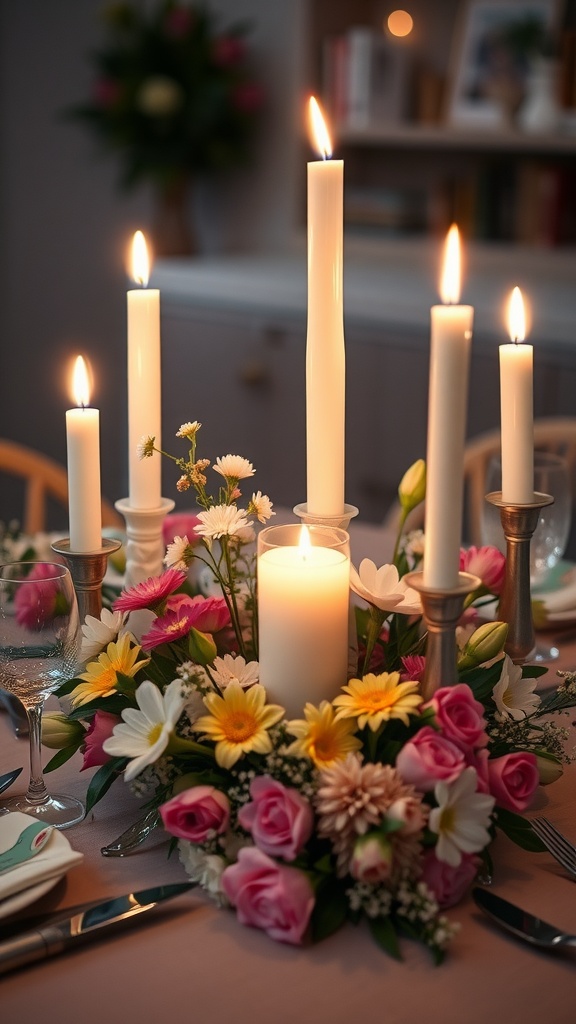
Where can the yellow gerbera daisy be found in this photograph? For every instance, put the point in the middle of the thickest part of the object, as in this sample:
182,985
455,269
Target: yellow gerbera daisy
375,699
239,721
100,675
321,737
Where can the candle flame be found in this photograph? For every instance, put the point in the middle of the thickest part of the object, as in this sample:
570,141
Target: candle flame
304,544
319,131
80,385
140,260
516,316
451,267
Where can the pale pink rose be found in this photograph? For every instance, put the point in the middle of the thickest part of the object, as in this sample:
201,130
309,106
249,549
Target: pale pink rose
478,759
180,524
410,812
277,898
279,818
487,563
447,883
460,716
414,668
372,858
196,814
513,780
429,758
100,729
37,605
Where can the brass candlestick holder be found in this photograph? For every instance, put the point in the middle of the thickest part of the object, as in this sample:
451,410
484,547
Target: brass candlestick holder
515,608
441,610
87,569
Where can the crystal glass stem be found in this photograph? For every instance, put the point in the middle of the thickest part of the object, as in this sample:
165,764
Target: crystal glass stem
37,792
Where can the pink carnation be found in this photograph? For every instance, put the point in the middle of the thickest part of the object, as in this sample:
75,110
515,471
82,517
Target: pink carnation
279,818
460,716
37,605
180,524
151,593
414,668
487,563
513,780
447,883
429,758
101,728
197,814
268,895
183,613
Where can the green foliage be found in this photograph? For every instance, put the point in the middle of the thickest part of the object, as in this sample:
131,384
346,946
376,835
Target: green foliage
519,830
102,780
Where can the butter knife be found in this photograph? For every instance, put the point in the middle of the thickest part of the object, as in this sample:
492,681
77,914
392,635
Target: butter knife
520,923
79,928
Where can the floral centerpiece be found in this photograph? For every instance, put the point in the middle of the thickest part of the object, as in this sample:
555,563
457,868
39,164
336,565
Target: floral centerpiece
375,805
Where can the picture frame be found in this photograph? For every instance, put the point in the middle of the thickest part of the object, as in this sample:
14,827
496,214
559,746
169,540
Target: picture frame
490,60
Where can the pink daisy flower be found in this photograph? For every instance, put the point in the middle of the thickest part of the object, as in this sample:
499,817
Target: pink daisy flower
414,667
183,613
151,592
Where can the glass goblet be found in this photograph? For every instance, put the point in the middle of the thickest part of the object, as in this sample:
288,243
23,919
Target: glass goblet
39,646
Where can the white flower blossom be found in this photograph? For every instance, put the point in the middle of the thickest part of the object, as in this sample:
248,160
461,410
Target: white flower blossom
514,696
204,868
189,430
144,733
461,819
179,554
260,506
145,446
98,633
383,588
231,668
221,521
234,467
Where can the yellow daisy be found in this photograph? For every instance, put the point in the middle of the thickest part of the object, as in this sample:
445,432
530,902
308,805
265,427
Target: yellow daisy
100,675
375,699
321,737
238,721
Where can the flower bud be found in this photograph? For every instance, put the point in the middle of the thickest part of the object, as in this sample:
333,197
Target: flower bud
549,769
372,858
412,489
201,647
486,642
58,731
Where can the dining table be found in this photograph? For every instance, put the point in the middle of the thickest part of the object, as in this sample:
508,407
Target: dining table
190,960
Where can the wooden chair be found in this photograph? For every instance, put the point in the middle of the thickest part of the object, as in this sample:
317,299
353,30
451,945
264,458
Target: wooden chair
552,434
44,478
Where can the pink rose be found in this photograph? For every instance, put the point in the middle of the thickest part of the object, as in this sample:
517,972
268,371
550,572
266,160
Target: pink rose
447,883
513,780
429,758
410,811
460,716
100,729
277,898
372,858
279,819
37,606
197,814
488,563
180,524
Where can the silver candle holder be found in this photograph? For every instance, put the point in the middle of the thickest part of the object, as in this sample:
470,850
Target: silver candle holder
515,608
87,569
441,611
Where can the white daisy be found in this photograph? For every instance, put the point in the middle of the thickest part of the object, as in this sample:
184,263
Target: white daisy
231,668
179,554
144,733
461,819
514,696
234,467
98,633
189,430
260,506
221,521
383,588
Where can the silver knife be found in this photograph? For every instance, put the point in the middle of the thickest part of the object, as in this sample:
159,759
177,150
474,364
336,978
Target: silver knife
520,923
80,927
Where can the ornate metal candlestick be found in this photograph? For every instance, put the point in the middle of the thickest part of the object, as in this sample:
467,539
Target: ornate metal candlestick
442,609
87,569
518,523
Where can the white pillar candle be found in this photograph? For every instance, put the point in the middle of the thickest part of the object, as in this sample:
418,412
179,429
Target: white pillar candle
144,382
83,457
447,405
516,409
303,601
325,358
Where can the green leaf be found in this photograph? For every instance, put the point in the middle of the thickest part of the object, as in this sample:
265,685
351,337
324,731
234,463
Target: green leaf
115,704
102,780
519,830
65,688
63,755
330,910
384,932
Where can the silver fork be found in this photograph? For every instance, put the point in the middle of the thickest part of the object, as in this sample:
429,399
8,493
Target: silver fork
556,843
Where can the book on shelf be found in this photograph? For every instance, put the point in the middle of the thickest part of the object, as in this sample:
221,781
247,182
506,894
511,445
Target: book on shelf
365,78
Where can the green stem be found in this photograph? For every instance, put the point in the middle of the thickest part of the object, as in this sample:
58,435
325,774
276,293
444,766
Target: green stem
403,516
375,624
234,612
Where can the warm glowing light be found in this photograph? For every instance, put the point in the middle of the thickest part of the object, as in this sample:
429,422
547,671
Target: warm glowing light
450,280
80,385
516,316
320,137
140,261
400,23
304,544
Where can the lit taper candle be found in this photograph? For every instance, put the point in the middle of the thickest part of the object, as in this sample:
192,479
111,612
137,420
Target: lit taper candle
516,408
325,358
447,404
83,457
144,381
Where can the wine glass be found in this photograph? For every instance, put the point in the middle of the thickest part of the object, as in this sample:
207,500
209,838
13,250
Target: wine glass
39,646
551,476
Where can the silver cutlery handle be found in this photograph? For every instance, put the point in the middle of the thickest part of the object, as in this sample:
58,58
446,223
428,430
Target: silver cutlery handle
28,948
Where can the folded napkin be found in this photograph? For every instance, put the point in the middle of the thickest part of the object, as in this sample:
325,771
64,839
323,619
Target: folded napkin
53,861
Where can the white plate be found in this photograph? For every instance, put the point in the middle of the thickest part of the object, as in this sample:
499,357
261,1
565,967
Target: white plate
12,904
